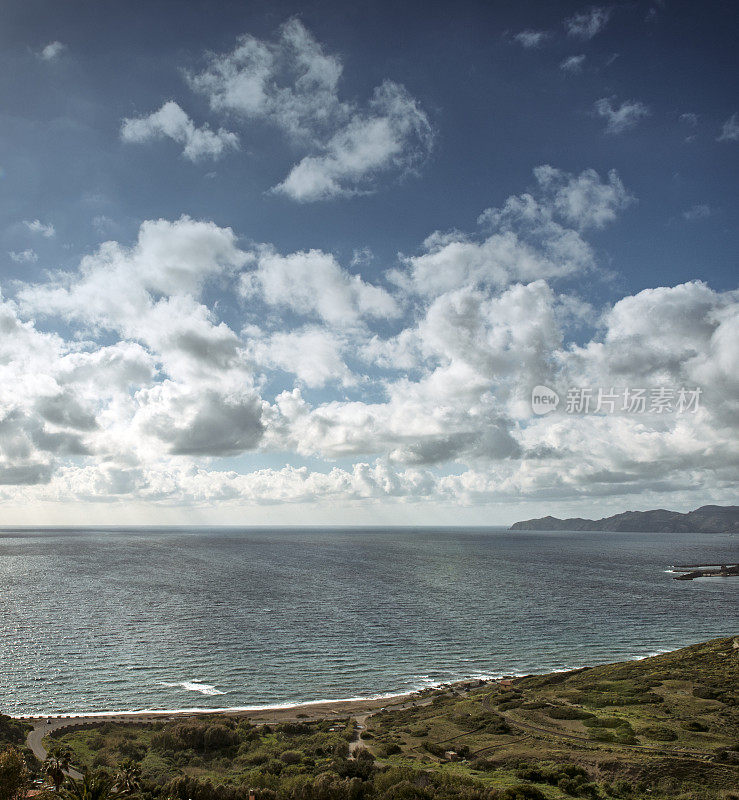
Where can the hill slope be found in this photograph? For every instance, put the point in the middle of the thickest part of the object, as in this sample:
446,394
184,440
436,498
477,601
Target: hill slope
665,727
707,519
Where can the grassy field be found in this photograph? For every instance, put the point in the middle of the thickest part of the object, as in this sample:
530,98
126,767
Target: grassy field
664,727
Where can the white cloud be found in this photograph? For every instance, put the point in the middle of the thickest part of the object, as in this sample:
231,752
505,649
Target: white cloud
290,83
293,85
202,423
572,64
583,200
730,129
422,388
530,39
313,354
36,226
171,122
395,133
312,283
23,256
696,212
531,237
625,116
52,51
586,24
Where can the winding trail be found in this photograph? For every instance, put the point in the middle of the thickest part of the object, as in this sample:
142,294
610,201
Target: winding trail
41,729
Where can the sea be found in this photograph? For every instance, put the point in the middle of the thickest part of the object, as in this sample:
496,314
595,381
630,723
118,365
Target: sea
118,620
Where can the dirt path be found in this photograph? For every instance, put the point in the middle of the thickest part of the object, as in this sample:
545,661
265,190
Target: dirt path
356,743
668,751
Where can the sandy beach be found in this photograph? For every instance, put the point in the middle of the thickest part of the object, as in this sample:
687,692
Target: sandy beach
305,712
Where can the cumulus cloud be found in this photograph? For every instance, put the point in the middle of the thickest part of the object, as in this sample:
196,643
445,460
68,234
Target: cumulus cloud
171,122
36,226
313,354
52,51
587,24
23,256
530,39
113,285
313,283
620,118
583,200
420,385
206,423
394,133
730,129
292,84
532,236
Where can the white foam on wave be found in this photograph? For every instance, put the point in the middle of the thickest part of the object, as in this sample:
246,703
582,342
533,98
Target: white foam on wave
217,710
419,682
194,686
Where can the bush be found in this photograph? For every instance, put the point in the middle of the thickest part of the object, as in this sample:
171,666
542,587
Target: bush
622,788
566,712
11,731
706,693
694,725
659,733
273,767
524,791
435,749
508,704
294,729
606,722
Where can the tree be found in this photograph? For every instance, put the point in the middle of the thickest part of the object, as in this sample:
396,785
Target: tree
13,774
56,765
92,786
128,777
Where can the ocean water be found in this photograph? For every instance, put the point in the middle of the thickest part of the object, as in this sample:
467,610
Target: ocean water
116,620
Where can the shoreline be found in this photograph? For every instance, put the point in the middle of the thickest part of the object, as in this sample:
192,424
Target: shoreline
307,709
311,711
370,703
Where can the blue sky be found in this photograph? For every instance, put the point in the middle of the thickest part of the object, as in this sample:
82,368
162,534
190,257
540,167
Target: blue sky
348,242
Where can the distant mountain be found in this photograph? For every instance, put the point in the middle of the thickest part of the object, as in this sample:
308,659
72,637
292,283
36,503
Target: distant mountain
707,519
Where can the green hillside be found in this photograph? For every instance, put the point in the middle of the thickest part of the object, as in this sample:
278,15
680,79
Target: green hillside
664,727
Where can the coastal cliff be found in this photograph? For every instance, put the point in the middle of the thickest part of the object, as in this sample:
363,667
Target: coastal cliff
707,519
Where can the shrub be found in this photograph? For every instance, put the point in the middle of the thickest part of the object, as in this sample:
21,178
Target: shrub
622,788
566,712
505,705
435,749
659,733
524,791
707,693
218,737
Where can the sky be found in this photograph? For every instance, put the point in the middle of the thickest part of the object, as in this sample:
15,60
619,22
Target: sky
369,264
